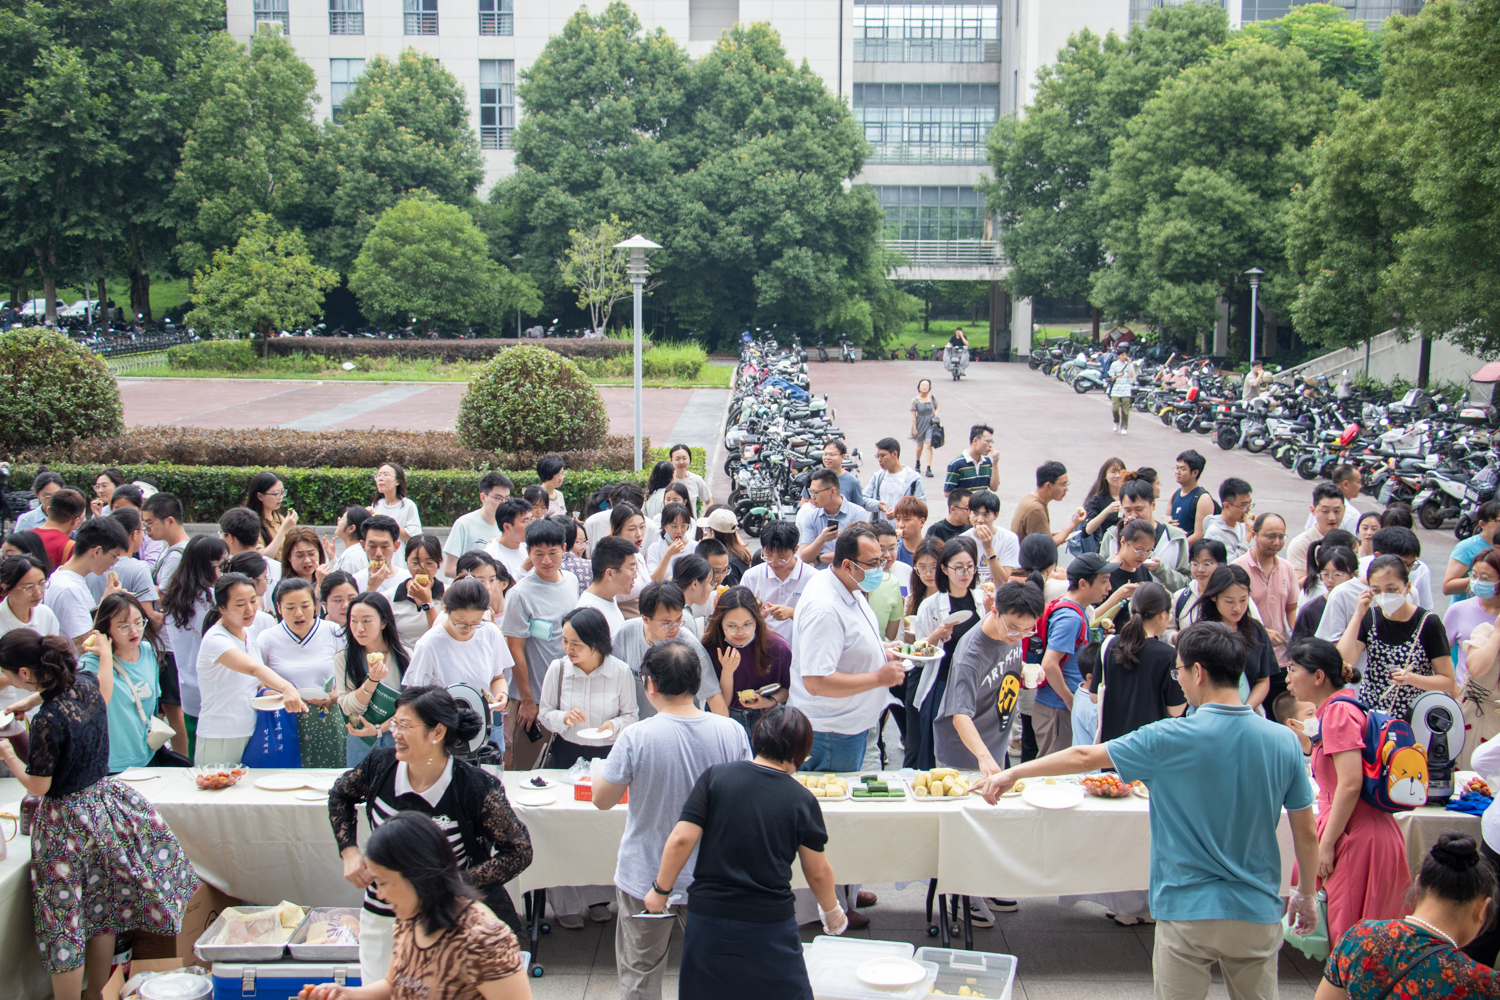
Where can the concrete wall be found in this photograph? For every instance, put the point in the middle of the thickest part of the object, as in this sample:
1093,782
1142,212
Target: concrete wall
1389,357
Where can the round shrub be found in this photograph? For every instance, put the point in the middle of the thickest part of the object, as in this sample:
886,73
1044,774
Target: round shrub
53,392
531,399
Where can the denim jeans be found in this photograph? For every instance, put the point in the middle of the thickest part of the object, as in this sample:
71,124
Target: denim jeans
836,752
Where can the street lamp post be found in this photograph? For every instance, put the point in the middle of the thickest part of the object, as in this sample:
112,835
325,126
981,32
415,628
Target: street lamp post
638,246
1254,274
517,258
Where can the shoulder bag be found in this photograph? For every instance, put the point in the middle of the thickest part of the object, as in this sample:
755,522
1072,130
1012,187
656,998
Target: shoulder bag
158,733
937,438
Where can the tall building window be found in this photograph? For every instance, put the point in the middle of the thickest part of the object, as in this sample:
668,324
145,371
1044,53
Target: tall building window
908,32
497,102
419,17
342,73
1141,9
495,17
708,19
272,10
927,122
346,17
931,213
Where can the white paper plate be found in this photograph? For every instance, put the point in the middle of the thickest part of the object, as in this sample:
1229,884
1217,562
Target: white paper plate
1044,796
958,617
321,782
527,786
285,781
593,734
1140,792
6,719
890,972
534,797
1016,792
136,775
311,795
268,702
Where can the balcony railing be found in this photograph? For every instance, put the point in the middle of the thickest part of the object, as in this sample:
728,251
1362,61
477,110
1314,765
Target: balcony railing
495,136
927,152
346,22
423,23
493,23
909,50
953,253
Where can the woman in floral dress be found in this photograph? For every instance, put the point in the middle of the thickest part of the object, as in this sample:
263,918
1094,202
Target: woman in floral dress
102,860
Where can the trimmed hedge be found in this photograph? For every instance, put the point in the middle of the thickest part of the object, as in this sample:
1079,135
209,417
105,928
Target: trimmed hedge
349,348
215,355
320,495
531,399
53,391
315,449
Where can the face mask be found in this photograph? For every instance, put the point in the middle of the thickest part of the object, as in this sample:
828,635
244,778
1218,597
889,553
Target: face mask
1390,603
871,580
1482,589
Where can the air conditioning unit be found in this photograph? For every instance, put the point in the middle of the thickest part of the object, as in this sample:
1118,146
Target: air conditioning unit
269,27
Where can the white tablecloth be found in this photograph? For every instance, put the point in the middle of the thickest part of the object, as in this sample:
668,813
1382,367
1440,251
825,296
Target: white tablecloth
21,972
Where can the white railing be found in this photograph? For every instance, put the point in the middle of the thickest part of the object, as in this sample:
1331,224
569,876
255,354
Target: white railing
928,152
958,253
926,50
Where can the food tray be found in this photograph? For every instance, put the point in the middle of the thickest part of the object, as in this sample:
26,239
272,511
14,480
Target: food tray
304,952
848,780
832,961
236,952
985,973
891,778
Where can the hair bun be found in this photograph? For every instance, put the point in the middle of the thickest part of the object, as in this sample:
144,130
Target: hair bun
1457,851
469,723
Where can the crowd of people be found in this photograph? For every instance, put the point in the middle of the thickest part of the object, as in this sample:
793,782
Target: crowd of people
639,641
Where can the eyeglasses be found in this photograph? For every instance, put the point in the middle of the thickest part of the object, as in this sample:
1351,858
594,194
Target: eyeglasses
958,508
960,570
825,489
739,629
866,566
1014,635
462,627
399,726
278,494
1244,506
132,626
33,588
671,626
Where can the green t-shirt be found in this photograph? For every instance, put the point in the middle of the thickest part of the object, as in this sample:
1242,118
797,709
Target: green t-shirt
885,601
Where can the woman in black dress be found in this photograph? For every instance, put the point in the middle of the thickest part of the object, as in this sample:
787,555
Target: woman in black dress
102,861
1226,599
751,819
420,773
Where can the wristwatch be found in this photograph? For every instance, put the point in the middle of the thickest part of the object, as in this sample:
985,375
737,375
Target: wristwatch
424,608
659,890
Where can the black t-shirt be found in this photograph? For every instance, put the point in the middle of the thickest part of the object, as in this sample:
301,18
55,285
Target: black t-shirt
1309,618
944,530
754,819
1260,660
1091,508
1119,577
1139,695
964,603
1393,633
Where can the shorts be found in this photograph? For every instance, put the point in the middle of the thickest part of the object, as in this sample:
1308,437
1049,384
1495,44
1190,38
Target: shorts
171,692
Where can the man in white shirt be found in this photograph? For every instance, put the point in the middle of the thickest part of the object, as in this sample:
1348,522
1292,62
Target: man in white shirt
1344,598
1327,513
386,570
1231,529
615,566
511,518
999,548
240,529
681,456
1350,481
832,514
477,528
893,481
161,518
353,558
777,582
134,575
98,543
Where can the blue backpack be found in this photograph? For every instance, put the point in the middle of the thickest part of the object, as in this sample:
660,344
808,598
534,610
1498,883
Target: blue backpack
1395,764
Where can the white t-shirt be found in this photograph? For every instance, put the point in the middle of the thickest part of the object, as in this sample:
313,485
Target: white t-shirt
768,588
658,551
185,643
352,560
404,512
596,526
388,588
43,622
609,609
470,532
226,712
887,487
1007,545
305,662
510,558
70,599
440,659
699,491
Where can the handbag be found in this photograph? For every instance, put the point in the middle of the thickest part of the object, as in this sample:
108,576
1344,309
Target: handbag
158,733
938,438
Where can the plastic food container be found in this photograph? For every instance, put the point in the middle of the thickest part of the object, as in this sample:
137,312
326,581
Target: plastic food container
176,986
984,973
238,952
832,961
304,952
278,980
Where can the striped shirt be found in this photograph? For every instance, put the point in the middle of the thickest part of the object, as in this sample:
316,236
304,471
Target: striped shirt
399,795
605,695
971,475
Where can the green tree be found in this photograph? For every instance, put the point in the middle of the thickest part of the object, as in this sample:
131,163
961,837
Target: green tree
403,128
1198,189
1345,50
427,260
249,146
1048,163
596,270
268,282
741,160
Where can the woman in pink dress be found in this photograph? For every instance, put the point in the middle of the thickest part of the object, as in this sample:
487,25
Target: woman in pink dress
1361,853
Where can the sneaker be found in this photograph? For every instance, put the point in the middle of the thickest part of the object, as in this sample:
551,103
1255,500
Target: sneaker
1002,905
600,913
572,921
928,473
978,916
1116,430
1123,432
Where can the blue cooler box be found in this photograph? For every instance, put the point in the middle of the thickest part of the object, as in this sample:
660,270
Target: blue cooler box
278,980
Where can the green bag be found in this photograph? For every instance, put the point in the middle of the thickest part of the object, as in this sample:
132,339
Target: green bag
1314,945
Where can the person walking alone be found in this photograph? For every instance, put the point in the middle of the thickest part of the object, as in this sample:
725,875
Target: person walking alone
1122,389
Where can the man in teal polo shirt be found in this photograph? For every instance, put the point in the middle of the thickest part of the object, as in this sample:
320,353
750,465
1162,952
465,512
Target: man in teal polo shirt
1219,780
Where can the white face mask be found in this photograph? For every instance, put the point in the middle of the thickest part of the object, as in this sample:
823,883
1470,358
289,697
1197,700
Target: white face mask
1390,603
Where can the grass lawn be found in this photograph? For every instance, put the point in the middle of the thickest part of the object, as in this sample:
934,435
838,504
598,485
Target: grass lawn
712,375
938,333
165,293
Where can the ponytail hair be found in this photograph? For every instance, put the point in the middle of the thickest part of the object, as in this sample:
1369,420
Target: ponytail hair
1148,601
223,590
1038,557
49,658
1312,655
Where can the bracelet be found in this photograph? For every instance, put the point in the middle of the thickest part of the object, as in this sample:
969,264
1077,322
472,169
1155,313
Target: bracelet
659,890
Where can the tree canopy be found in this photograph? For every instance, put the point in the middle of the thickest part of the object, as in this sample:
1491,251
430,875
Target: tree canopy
268,282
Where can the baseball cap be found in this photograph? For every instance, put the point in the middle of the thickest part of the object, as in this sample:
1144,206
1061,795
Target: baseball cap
719,520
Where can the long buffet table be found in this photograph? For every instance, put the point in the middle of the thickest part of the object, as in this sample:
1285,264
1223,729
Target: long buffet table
263,847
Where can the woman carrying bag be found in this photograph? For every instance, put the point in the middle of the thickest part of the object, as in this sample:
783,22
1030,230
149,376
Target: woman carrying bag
1405,648
367,675
132,687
